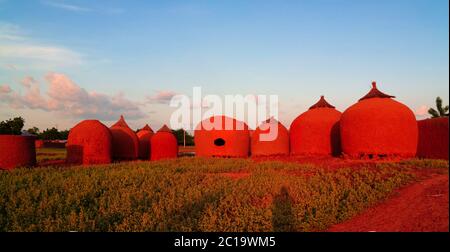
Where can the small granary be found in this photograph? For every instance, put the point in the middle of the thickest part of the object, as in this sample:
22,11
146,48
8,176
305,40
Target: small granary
316,131
163,144
222,136
16,151
433,138
125,143
265,144
144,135
378,126
89,142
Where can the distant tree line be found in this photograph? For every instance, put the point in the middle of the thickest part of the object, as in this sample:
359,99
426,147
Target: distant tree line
180,137
49,134
14,127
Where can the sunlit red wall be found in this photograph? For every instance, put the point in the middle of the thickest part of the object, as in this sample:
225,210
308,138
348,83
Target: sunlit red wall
379,126
144,137
278,146
433,138
125,144
164,145
17,151
89,142
316,132
236,140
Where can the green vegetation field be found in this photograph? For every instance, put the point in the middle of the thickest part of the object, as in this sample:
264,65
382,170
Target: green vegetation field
196,194
49,154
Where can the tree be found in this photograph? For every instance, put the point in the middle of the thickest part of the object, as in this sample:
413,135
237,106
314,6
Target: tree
64,134
34,131
179,134
12,126
51,134
441,111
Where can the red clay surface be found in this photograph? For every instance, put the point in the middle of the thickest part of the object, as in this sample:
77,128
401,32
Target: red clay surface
420,207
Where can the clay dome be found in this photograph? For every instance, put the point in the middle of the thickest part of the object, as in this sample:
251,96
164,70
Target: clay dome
89,142
316,131
163,144
378,126
277,145
221,136
125,144
16,151
433,138
144,135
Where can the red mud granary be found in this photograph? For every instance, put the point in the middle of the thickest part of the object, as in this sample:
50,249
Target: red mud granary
163,144
316,131
125,143
144,135
433,138
222,136
16,151
378,126
264,144
89,142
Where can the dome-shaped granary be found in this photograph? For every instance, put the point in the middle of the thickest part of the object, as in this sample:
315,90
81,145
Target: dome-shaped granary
265,144
16,151
378,126
89,142
221,136
316,131
433,138
144,135
125,143
163,144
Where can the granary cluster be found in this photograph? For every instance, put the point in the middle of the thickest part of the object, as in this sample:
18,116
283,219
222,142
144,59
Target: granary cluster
91,142
376,126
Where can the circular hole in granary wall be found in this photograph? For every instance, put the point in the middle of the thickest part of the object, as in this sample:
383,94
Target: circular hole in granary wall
219,142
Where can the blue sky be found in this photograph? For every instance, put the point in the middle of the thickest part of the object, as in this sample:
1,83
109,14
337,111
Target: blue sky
136,53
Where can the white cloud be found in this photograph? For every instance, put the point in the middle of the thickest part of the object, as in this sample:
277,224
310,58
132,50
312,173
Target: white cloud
66,6
10,32
67,98
161,97
421,110
5,89
51,55
19,51
10,66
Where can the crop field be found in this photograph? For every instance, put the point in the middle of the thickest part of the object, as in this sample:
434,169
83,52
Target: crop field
50,154
199,194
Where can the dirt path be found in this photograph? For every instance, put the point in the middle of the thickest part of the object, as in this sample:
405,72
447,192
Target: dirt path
422,206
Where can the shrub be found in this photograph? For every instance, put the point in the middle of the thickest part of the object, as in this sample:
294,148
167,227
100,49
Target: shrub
191,194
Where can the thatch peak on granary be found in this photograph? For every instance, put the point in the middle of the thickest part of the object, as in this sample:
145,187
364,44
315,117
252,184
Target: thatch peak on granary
121,123
322,103
271,120
147,128
164,128
375,93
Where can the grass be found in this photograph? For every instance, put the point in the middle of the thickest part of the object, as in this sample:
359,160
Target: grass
195,194
48,154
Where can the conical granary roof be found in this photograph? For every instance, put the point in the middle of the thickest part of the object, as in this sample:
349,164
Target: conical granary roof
121,123
375,93
322,103
147,128
164,129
